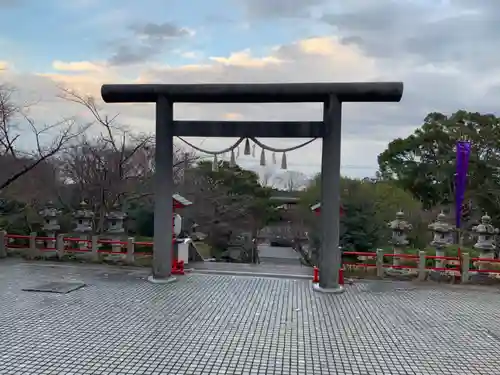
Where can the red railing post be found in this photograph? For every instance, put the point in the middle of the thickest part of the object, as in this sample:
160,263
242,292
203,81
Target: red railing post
315,275
174,258
3,244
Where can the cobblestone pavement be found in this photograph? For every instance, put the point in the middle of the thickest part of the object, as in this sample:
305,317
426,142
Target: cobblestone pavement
209,324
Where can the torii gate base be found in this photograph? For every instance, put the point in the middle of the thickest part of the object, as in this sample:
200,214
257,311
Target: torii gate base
332,95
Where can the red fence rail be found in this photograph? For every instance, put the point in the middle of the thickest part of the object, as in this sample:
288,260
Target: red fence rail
15,241
67,244
414,257
49,244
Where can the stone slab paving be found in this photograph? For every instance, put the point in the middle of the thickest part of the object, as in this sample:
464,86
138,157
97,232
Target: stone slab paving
278,255
290,270
211,324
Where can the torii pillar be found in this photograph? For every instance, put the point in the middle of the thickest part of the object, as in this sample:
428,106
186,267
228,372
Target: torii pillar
332,95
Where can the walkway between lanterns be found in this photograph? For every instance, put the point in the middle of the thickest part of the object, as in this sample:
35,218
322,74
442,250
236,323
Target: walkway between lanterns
275,261
286,271
212,324
278,255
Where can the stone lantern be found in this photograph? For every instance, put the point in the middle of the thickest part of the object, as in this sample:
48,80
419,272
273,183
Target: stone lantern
400,229
443,237
83,218
50,216
115,220
485,239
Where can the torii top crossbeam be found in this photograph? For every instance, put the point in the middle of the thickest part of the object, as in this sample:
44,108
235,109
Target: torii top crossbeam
254,93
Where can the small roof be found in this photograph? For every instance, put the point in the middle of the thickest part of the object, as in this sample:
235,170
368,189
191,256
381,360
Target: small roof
181,201
317,208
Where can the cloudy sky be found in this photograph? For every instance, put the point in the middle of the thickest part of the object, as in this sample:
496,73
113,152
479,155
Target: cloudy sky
444,51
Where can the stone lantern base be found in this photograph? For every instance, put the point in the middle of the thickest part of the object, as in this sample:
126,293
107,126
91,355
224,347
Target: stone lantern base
441,276
482,278
398,273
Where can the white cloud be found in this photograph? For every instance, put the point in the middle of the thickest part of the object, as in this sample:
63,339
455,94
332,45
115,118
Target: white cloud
245,59
77,66
367,127
190,54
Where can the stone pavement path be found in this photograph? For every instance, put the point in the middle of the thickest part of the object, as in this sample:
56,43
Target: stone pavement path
211,324
278,255
297,271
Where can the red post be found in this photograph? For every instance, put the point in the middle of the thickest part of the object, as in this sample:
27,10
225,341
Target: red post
341,276
177,266
174,260
315,275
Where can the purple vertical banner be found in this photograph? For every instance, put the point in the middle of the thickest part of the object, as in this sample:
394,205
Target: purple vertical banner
463,154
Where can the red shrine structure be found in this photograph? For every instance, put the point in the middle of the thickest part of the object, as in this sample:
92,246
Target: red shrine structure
317,209
178,202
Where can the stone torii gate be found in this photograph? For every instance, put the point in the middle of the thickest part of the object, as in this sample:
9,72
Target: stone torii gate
332,95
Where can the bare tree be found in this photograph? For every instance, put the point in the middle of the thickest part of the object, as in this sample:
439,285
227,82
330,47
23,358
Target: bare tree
17,156
114,167
216,204
295,181
213,201
266,178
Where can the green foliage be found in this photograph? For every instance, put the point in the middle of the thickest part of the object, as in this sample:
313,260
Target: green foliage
243,185
368,207
144,221
424,162
360,231
239,181
18,218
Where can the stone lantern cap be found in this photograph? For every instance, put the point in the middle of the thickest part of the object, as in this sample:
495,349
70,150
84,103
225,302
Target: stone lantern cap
440,225
50,214
49,211
485,228
399,224
83,212
485,232
116,213
400,228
